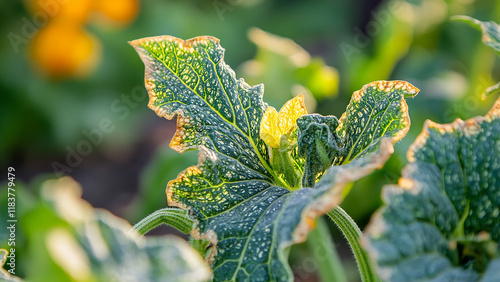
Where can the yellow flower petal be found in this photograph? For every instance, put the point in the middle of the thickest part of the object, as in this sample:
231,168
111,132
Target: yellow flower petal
274,124
289,113
268,130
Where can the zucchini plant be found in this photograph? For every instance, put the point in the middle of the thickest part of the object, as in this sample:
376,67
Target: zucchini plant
264,177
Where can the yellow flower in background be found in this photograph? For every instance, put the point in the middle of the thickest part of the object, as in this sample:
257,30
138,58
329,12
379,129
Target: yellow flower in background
76,11
274,124
118,11
63,49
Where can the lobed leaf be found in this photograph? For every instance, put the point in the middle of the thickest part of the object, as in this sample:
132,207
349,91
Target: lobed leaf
190,79
377,111
241,205
443,215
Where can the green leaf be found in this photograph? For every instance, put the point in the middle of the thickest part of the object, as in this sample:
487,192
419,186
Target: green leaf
252,223
241,205
79,243
153,259
190,79
490,30
443,215
377,110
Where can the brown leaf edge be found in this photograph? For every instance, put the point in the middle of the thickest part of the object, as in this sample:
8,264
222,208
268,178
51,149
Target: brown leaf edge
470,127
187,45
383,85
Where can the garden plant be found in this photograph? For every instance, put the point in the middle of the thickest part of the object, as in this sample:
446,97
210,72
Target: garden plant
265,178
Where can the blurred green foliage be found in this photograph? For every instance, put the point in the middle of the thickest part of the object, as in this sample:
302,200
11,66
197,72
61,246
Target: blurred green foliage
63,238
42,119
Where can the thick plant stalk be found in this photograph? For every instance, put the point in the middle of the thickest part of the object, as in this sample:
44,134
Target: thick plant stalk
321,245
353,235
171,216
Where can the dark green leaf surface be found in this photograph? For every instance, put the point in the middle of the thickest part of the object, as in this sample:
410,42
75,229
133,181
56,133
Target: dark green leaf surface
491,31
377,110
448,196
251,222
217,111
241,206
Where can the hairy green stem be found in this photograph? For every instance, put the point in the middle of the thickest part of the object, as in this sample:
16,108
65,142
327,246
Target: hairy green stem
171,216
321,245
353,235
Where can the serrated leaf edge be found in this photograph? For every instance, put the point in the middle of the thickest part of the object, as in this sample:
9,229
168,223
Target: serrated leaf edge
175,143
470,128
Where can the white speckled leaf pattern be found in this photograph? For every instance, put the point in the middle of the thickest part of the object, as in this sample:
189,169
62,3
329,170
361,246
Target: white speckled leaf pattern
450,188
379,109
190,78
233,192
252,222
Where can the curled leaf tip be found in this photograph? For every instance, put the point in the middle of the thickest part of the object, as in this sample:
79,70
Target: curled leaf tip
274,124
